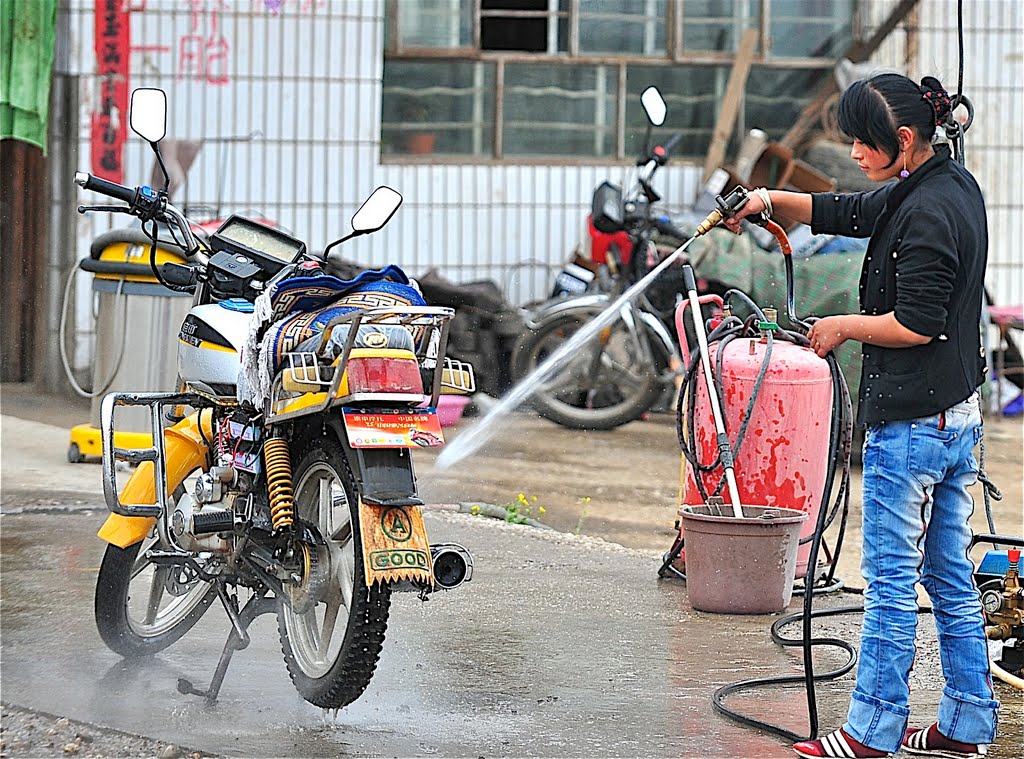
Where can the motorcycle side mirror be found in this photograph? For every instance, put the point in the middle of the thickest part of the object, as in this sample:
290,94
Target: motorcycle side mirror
374,213
376,210
654,106
148,111
148,119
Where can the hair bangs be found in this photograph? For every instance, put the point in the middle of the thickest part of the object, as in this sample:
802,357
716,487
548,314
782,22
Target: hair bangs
865,116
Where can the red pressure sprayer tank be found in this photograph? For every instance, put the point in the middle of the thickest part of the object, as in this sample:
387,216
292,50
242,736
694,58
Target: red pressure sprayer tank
783,458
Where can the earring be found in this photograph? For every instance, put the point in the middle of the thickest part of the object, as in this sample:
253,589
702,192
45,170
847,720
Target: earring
904,174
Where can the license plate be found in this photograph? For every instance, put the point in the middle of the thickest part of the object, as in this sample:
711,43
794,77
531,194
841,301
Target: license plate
388,428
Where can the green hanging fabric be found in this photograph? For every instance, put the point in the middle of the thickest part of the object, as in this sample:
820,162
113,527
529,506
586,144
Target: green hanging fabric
27,36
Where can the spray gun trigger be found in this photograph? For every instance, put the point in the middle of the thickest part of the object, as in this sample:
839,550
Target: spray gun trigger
732,202
727,206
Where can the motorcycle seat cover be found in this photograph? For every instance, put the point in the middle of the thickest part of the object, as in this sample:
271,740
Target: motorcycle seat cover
299,309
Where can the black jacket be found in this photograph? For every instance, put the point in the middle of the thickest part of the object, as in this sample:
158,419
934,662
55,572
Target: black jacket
926,262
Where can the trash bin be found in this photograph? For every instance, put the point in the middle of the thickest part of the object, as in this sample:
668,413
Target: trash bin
137,324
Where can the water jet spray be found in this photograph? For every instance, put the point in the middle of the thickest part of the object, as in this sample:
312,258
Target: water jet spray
474,438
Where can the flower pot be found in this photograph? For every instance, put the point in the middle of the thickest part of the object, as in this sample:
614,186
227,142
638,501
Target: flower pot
420,143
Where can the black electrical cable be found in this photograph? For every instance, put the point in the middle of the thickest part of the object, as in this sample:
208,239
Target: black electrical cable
718,699
955,132
154,236
960,52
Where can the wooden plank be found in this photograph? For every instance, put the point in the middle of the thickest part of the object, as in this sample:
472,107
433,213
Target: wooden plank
731,102
858,53
21,228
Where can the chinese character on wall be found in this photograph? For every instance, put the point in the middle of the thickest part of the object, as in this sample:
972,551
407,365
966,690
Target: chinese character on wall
108,130
204,52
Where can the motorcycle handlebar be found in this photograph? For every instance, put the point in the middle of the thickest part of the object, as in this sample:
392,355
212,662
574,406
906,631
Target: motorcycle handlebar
131,196
670,229
105,187
659,156
669,146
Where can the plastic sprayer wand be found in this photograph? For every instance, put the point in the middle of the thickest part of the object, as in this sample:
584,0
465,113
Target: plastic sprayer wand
724,447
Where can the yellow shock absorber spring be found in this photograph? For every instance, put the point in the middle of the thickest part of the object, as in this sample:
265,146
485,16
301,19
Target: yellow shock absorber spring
279,482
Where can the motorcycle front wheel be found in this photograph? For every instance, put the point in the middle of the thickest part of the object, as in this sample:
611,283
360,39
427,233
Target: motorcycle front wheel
604,384
142,608
333,634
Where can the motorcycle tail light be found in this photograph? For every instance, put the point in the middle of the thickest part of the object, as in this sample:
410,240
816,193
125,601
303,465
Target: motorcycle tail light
382,371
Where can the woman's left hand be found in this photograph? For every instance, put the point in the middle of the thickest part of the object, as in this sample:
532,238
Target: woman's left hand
827,334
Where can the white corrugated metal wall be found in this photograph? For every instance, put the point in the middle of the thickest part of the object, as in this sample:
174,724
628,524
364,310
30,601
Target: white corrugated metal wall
306,75
308,78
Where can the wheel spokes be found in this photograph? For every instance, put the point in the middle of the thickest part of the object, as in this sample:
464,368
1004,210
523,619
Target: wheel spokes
327,628
317,634
324,507
156,593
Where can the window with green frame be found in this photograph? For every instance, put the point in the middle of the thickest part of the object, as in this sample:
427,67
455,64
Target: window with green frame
481,80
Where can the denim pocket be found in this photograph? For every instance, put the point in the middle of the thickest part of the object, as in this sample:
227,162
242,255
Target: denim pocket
930,448
885,444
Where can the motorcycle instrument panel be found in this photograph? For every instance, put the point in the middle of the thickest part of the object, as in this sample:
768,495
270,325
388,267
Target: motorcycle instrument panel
270,247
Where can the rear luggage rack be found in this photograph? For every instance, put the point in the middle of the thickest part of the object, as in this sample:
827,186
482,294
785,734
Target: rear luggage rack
458,376
428,327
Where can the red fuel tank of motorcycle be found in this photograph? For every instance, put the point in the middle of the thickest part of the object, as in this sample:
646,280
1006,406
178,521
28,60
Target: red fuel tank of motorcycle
783,457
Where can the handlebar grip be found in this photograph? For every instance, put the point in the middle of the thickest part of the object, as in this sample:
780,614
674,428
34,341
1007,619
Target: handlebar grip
688,281
104,187
675,140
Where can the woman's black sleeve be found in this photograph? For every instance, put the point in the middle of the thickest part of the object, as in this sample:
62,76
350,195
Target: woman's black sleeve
926,270
849,214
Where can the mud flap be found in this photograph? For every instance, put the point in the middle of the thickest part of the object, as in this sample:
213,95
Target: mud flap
395,544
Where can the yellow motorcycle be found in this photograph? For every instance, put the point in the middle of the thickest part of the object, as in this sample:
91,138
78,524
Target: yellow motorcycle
287,473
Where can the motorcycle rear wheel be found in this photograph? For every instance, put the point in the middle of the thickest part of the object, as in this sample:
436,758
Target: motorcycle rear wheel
137,613
332,644
607,382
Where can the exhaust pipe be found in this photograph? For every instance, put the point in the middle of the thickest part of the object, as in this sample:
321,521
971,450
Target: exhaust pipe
452,564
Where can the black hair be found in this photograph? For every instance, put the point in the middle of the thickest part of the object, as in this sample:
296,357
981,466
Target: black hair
871,110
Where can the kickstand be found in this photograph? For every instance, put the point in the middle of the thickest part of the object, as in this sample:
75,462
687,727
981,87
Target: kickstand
238,638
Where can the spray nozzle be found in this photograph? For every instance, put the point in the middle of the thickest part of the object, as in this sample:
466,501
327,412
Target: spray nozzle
728,205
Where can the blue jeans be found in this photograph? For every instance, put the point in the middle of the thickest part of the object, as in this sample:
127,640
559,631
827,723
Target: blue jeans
916,507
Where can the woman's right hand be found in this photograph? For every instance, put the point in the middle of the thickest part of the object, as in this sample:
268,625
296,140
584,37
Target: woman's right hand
754,205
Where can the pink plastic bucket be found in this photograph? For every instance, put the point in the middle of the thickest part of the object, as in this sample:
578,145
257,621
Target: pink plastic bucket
450,408
741,566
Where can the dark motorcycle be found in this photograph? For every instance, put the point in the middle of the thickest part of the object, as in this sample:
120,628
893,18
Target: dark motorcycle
634,363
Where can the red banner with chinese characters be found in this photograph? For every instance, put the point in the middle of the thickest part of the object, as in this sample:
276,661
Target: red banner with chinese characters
109,128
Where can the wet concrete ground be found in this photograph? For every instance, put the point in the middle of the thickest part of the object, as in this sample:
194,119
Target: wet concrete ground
560,646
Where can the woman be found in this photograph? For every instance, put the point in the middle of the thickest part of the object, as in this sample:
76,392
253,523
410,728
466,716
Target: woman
921,292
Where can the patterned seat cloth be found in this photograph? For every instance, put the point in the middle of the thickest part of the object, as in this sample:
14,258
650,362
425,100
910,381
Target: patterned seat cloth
298,309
